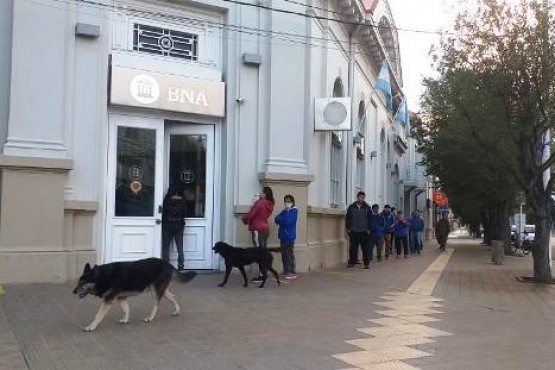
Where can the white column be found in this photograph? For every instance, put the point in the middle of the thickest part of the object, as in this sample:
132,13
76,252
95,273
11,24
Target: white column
38,96
285,79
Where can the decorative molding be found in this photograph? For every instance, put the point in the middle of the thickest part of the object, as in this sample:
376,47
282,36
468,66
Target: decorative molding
80,206
278,177
322,211
37,163
22,147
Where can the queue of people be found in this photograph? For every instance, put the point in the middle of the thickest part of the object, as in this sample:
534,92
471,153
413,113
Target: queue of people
368,229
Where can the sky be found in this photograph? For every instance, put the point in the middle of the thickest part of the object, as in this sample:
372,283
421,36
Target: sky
429,15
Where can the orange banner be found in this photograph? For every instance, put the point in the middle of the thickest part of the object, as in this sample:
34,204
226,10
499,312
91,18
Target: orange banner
440,198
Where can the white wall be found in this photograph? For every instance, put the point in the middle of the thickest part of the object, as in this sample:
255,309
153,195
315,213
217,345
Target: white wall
5,65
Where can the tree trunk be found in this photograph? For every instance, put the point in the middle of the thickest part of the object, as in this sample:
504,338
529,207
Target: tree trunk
540,247
498,225
487,230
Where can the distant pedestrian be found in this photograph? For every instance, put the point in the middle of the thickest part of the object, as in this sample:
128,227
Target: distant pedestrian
416,232
401,233
443,228
388,231
376,232
257,219
357,223
287,233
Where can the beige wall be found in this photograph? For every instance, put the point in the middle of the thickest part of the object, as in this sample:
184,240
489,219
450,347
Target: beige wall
42,238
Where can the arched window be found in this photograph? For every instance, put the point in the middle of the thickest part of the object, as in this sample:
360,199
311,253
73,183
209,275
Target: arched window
360,147
338,91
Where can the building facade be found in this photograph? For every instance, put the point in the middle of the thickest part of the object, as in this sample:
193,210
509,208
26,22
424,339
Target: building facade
105,103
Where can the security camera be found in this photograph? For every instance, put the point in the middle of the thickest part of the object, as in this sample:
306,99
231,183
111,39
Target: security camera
241,99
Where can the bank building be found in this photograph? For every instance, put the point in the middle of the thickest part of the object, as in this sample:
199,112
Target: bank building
105,103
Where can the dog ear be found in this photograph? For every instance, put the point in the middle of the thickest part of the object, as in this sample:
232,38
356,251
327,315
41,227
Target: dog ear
87,268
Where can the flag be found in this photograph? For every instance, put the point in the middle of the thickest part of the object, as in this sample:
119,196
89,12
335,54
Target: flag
403,115
384,84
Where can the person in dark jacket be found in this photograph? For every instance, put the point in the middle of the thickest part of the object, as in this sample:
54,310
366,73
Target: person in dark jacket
173,224
377,227
357,223
388,231
443,228
287,233
401,233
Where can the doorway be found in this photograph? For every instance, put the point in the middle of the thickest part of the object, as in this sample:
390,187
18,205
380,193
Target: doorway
145,156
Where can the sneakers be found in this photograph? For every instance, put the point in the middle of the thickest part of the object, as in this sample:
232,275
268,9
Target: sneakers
407,255
258,279
350,266
290,276
366,267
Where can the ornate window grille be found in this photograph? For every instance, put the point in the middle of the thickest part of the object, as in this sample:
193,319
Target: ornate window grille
165,42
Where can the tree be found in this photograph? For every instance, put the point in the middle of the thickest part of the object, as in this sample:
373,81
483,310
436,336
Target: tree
479,189
507,53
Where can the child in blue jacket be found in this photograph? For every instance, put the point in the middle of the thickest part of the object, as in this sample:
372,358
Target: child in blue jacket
287,233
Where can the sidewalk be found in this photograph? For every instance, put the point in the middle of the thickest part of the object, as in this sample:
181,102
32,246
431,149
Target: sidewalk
489,320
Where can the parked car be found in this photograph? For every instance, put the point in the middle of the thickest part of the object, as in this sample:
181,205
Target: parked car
529,232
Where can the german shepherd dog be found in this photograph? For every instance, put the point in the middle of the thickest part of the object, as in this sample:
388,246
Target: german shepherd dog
240,257
120,280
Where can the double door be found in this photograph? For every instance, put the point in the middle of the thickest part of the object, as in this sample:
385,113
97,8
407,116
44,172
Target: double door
145,156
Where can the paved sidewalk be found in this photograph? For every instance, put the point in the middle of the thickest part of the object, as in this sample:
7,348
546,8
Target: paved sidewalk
489,319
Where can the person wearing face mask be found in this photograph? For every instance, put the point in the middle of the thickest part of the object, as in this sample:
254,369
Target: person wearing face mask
287,233
358,222
257,219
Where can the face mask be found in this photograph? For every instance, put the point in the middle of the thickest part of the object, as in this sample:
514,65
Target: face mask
288,204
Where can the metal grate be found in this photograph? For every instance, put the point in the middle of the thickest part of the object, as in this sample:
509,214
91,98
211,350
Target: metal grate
166,42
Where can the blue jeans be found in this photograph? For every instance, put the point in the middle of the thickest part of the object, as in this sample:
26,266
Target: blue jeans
416,241
288,257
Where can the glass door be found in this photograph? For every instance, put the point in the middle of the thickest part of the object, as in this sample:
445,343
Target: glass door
190,167
135,179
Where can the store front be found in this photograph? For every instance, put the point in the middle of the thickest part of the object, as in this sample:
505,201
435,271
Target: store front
148,152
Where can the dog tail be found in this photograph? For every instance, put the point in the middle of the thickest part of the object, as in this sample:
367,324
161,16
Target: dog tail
275,250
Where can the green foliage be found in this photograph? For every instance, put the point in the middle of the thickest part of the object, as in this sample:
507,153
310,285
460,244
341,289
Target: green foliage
488,113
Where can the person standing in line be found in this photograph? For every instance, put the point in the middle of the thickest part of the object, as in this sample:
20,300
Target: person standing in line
257,219
173,224
376,232
416,232
357,224
388,232
287,233
401,233
443,228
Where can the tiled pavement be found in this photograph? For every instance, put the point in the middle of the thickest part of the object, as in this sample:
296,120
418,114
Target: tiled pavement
495,322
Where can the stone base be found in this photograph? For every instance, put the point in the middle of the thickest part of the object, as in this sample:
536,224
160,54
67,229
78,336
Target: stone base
45,267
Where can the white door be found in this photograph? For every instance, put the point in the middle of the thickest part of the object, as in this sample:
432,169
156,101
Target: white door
189,164
135,188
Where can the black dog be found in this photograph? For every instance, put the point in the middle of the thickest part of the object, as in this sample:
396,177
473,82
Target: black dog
119,280
240,257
